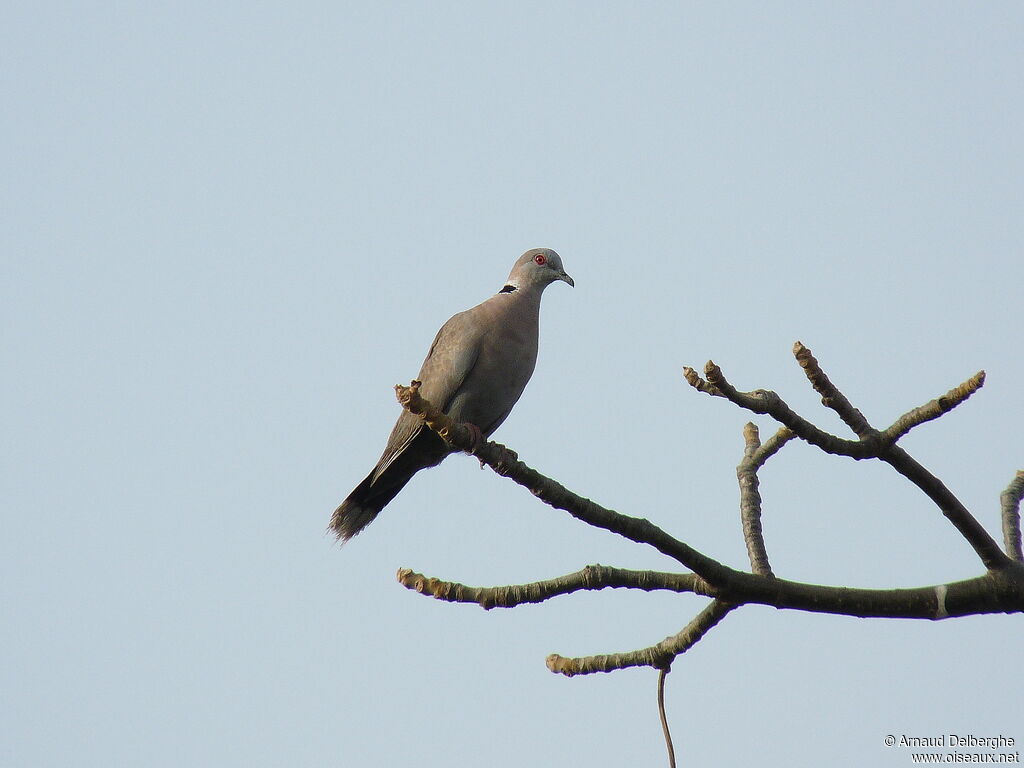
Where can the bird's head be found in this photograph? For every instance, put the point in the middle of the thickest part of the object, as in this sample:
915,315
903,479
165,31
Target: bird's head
537,267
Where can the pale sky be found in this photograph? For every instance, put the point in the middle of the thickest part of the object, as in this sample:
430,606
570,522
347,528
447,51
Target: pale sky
228,230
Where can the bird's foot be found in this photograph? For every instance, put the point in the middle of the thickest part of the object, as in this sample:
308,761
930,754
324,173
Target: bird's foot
508,458
478,438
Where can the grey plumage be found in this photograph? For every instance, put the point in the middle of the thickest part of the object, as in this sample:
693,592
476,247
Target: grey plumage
475,371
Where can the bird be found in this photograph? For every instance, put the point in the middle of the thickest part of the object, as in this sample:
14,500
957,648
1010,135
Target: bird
476,370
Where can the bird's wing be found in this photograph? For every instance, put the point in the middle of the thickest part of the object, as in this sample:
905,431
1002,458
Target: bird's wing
449,362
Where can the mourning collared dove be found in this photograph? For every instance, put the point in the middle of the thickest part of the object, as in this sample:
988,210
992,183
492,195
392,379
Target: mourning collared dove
475,371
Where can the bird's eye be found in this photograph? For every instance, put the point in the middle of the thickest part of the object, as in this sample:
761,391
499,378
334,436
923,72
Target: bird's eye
541,259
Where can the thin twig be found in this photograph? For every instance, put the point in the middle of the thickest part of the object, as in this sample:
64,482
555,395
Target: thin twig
1010,503
772,445
664,720
658,656
750,502
831,397
592,577
768,402
933,408
950,506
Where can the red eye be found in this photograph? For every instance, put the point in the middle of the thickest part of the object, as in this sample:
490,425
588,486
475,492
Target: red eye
540,259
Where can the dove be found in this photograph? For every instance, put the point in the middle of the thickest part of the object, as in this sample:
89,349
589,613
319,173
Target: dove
475,371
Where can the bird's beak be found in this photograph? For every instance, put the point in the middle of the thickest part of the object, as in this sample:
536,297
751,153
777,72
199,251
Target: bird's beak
565,277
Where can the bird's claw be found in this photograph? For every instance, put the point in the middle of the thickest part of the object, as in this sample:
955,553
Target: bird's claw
478,439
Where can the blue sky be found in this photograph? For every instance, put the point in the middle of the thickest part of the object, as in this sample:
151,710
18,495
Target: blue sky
228,231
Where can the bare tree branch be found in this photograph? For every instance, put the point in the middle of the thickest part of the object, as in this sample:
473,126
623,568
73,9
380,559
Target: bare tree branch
767,402
831,397
872,445
999,590
772,446
1010,502
934,408
903,463
989,552
750,498
506,463
589,578
659,656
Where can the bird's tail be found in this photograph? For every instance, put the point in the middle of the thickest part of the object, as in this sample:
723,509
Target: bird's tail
363,505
